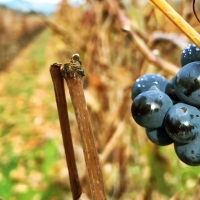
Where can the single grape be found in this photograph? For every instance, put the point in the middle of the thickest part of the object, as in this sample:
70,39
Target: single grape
182,122
170,91
187,83
145,82
149,108
190,54
189,153
158,136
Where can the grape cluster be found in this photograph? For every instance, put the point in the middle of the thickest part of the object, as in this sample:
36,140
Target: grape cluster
169,110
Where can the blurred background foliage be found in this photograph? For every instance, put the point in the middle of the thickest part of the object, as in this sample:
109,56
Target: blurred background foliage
32,164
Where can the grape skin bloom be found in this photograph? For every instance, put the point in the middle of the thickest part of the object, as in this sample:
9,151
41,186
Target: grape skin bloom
189,153
159,136
149,108
182,122
187,84
190,54
145,82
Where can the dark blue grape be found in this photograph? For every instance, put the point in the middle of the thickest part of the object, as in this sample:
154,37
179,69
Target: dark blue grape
182,122
149,108
159,136
187,83
189,153
146,81
190,54
170,91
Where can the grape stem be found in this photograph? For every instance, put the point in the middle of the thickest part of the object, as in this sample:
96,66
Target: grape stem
166,9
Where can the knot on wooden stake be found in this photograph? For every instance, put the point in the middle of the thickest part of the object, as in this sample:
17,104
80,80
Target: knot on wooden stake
74,68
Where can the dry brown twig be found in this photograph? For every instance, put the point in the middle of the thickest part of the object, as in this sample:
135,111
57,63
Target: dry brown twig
65,129
173,38
72,73
116,126
114,140
126,25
